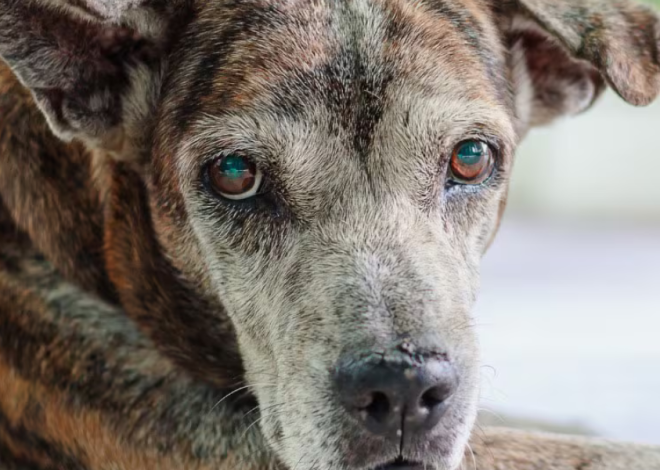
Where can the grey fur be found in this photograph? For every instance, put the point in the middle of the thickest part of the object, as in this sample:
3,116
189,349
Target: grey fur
352,109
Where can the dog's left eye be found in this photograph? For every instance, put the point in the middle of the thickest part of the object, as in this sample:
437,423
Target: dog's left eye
234,177
472,162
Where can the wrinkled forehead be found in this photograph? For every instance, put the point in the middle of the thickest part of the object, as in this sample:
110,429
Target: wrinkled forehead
343,68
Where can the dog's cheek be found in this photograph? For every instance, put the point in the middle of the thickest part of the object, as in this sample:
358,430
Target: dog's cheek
310,422
470,222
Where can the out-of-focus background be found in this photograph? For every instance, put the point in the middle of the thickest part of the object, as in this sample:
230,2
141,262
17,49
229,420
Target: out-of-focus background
569,313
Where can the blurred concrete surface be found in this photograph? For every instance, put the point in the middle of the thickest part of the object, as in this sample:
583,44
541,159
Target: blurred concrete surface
569,313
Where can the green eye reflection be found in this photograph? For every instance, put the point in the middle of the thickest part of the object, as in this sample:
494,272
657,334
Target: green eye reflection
472,162
234,177
471,153
234,166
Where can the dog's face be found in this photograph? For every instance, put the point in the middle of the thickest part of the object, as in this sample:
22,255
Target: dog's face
332,172
351,233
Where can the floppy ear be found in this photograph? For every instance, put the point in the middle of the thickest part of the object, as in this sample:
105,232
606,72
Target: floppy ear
93,66
565,51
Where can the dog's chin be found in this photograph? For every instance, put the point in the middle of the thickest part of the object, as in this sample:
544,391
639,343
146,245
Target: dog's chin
442,456
442,453
402,463
375,462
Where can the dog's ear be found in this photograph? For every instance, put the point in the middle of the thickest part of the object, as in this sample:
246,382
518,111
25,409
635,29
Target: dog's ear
93,66
565,51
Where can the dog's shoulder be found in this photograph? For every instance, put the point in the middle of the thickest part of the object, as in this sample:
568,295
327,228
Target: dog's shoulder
82,388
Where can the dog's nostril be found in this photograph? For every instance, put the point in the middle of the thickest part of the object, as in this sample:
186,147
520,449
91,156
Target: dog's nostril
379,408
435,396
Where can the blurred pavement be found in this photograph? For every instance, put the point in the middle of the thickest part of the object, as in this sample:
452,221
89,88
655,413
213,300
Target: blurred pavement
569,313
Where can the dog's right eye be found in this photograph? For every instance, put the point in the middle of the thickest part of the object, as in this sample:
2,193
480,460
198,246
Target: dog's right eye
234,177
472,162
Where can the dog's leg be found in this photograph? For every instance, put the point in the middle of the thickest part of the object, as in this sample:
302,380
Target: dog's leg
82,388
505,449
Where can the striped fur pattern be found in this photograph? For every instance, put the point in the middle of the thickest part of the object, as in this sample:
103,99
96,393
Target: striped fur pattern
145,323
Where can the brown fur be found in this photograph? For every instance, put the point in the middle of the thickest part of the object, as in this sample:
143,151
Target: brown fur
65,201
114,350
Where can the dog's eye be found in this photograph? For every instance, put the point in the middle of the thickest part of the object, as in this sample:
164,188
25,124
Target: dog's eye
472,162
234,177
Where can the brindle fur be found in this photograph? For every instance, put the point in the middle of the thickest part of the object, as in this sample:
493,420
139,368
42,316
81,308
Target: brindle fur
136,307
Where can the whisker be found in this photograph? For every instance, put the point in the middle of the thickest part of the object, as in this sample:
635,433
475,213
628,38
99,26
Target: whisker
316,462
301,458
237,391
492,368
275,406
249,412
485,442
494,413
258,420
474,458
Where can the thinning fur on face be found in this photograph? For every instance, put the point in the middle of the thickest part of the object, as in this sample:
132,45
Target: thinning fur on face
148,324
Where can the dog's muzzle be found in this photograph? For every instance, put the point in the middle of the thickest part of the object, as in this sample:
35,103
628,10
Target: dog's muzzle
396,395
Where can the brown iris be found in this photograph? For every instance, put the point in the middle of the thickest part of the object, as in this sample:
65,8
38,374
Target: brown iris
472,162
234,177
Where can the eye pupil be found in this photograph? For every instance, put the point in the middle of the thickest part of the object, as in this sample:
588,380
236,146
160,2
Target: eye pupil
471,153
233,166
472,162
234,177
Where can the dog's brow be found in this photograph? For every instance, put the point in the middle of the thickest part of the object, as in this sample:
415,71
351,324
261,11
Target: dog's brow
211,45
466,19
218,53
343,86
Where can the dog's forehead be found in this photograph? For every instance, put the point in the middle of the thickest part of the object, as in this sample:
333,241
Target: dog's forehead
239,53
349,72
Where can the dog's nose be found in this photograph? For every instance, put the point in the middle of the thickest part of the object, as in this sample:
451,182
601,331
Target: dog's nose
391,397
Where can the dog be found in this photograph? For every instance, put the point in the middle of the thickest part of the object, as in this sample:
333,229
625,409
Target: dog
246,234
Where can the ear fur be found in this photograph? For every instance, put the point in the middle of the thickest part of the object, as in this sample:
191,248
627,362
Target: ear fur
566,50
93,67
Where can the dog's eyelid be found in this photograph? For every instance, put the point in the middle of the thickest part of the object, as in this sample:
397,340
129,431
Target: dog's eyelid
253,155
493,141
484,131
259,158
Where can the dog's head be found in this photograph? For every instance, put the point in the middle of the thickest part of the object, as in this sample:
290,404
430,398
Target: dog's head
328,175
